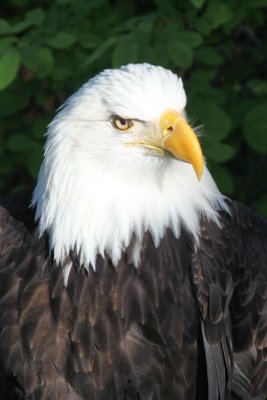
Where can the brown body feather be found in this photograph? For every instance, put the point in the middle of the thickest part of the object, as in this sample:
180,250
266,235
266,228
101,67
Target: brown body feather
189,323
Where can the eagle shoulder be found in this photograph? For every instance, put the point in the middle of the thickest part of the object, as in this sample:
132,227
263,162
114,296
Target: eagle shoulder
32,339
230,282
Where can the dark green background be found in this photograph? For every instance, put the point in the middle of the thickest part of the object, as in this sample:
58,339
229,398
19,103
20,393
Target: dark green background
49,48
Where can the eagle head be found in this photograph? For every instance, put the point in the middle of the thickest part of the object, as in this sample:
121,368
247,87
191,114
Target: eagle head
120,160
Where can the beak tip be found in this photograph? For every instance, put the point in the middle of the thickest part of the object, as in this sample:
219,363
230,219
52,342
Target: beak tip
199,176
199,170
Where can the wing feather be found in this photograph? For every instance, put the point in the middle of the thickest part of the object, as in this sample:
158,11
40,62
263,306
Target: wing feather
230,278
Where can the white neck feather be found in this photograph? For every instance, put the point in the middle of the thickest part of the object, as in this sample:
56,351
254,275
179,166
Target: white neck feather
97,210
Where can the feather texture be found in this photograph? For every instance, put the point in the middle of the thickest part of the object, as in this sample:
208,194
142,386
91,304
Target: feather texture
230,277
188,323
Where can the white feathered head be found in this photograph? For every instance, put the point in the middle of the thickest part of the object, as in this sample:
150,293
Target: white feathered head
121,159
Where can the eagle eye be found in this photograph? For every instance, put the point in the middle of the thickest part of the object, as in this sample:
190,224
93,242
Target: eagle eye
122,123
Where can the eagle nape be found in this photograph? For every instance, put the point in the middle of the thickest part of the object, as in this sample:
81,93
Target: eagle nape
125,274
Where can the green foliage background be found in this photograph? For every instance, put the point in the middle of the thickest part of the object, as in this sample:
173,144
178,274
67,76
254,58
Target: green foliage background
49,48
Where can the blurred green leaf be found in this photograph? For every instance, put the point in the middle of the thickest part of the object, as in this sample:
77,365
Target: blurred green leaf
39,60
255,128
39,128
217,151
5,44
208,56
96,54
33,163
237,112
151,54
19,143
218,13
202,75
190,39
62,72
258,87
198,3
10,103
89,40
222,177
142,31
19,3
166,8
4,27
36,16
125,52
216,122
180,54
20,26
257,3
204,26
168,32
9,65
62,40
173,33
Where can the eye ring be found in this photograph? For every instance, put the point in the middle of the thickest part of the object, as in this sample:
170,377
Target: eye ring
122,123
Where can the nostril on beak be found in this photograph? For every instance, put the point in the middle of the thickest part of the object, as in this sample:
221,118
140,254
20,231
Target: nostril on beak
167,131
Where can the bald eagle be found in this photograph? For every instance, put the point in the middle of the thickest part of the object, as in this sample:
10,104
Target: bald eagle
128,275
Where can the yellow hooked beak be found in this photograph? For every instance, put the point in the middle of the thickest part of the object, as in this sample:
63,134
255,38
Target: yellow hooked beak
179,139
